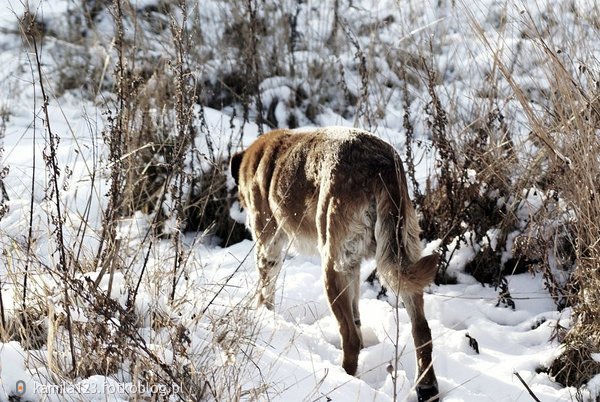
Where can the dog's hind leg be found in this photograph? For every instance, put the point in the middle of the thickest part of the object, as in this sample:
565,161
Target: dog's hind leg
427,387
341,266
343,300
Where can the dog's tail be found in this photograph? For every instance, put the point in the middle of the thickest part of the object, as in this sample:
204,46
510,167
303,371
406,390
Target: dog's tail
397,230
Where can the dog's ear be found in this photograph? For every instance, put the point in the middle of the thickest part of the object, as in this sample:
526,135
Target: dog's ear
234,166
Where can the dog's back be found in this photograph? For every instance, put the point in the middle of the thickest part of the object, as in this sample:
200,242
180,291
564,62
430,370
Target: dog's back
284,174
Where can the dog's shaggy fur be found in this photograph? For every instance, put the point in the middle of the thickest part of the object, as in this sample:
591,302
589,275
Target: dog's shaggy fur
343,192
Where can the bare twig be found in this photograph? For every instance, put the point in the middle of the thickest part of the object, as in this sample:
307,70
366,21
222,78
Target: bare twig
54,171
535,398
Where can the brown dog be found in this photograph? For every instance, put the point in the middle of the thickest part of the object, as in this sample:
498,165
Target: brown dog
343,192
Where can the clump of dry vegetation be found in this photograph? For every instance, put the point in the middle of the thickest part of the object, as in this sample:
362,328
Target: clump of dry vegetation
573,128
565,166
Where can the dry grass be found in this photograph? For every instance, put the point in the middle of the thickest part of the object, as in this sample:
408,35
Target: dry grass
567,166
577,124
97,325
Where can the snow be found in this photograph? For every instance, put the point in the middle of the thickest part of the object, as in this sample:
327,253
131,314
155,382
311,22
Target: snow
297,347
292,353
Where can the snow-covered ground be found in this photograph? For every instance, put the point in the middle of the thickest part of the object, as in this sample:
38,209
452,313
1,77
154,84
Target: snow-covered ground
295,351
289,354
